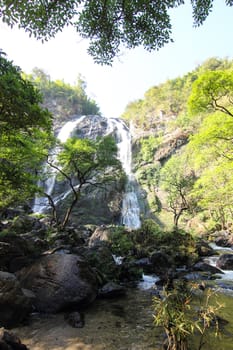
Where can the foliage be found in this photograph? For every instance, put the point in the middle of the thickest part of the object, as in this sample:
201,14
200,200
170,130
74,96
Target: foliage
62,99
25,134
82,163
179,245
175,312
211,155
148,146
160,104
121,242
193,177
212,91
177,179
107,24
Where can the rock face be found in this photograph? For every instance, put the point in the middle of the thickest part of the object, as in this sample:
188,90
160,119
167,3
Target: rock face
15,303
60,282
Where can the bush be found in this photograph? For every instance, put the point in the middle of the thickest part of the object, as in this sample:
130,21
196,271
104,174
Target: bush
176,314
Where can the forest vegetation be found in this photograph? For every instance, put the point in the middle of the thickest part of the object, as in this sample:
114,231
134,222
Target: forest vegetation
183,134
183,144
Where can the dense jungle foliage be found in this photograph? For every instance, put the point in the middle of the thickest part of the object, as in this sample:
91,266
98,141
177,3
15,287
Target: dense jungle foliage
183,146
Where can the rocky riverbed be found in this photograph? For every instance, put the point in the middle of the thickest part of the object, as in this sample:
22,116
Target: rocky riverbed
124,323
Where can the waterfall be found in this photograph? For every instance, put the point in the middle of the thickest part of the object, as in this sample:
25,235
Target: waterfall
130,205
41,203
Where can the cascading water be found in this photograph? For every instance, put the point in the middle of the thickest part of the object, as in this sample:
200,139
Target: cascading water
130,205
41,203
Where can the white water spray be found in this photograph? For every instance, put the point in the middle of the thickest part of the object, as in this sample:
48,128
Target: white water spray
130,205
41,203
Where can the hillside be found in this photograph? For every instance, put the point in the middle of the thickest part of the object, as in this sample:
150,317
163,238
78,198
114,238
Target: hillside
62,99
182,135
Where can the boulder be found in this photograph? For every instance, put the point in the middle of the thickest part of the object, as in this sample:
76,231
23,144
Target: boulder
223,241
203,249
225,262
60,282
75,319
15,302
202,266
9,341
16,252
101,259
145,264
112,290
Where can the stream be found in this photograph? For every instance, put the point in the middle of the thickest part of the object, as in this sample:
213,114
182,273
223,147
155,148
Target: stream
124,323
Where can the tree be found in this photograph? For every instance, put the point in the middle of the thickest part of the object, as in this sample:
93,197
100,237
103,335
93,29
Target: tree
211,146
214,192
107,24
83,163
25,134
177,179
211,155
212,91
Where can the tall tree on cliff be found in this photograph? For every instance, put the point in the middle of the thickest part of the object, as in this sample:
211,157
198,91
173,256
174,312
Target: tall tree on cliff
106,23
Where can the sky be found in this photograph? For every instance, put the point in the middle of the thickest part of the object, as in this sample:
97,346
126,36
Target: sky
135,71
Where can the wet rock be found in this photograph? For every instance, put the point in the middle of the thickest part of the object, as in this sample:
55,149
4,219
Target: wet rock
203,249
75,319
223,241
60,281
225,262
194,276
202,266
15,302
9,341
112,290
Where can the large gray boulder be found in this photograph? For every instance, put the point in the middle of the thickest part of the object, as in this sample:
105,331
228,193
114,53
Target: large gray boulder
15,302
60,282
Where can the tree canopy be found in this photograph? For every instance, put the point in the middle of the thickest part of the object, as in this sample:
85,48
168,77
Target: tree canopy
25,134
83,163
189,118
107,24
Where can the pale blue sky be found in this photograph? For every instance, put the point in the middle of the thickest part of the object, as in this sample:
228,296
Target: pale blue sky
135,71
